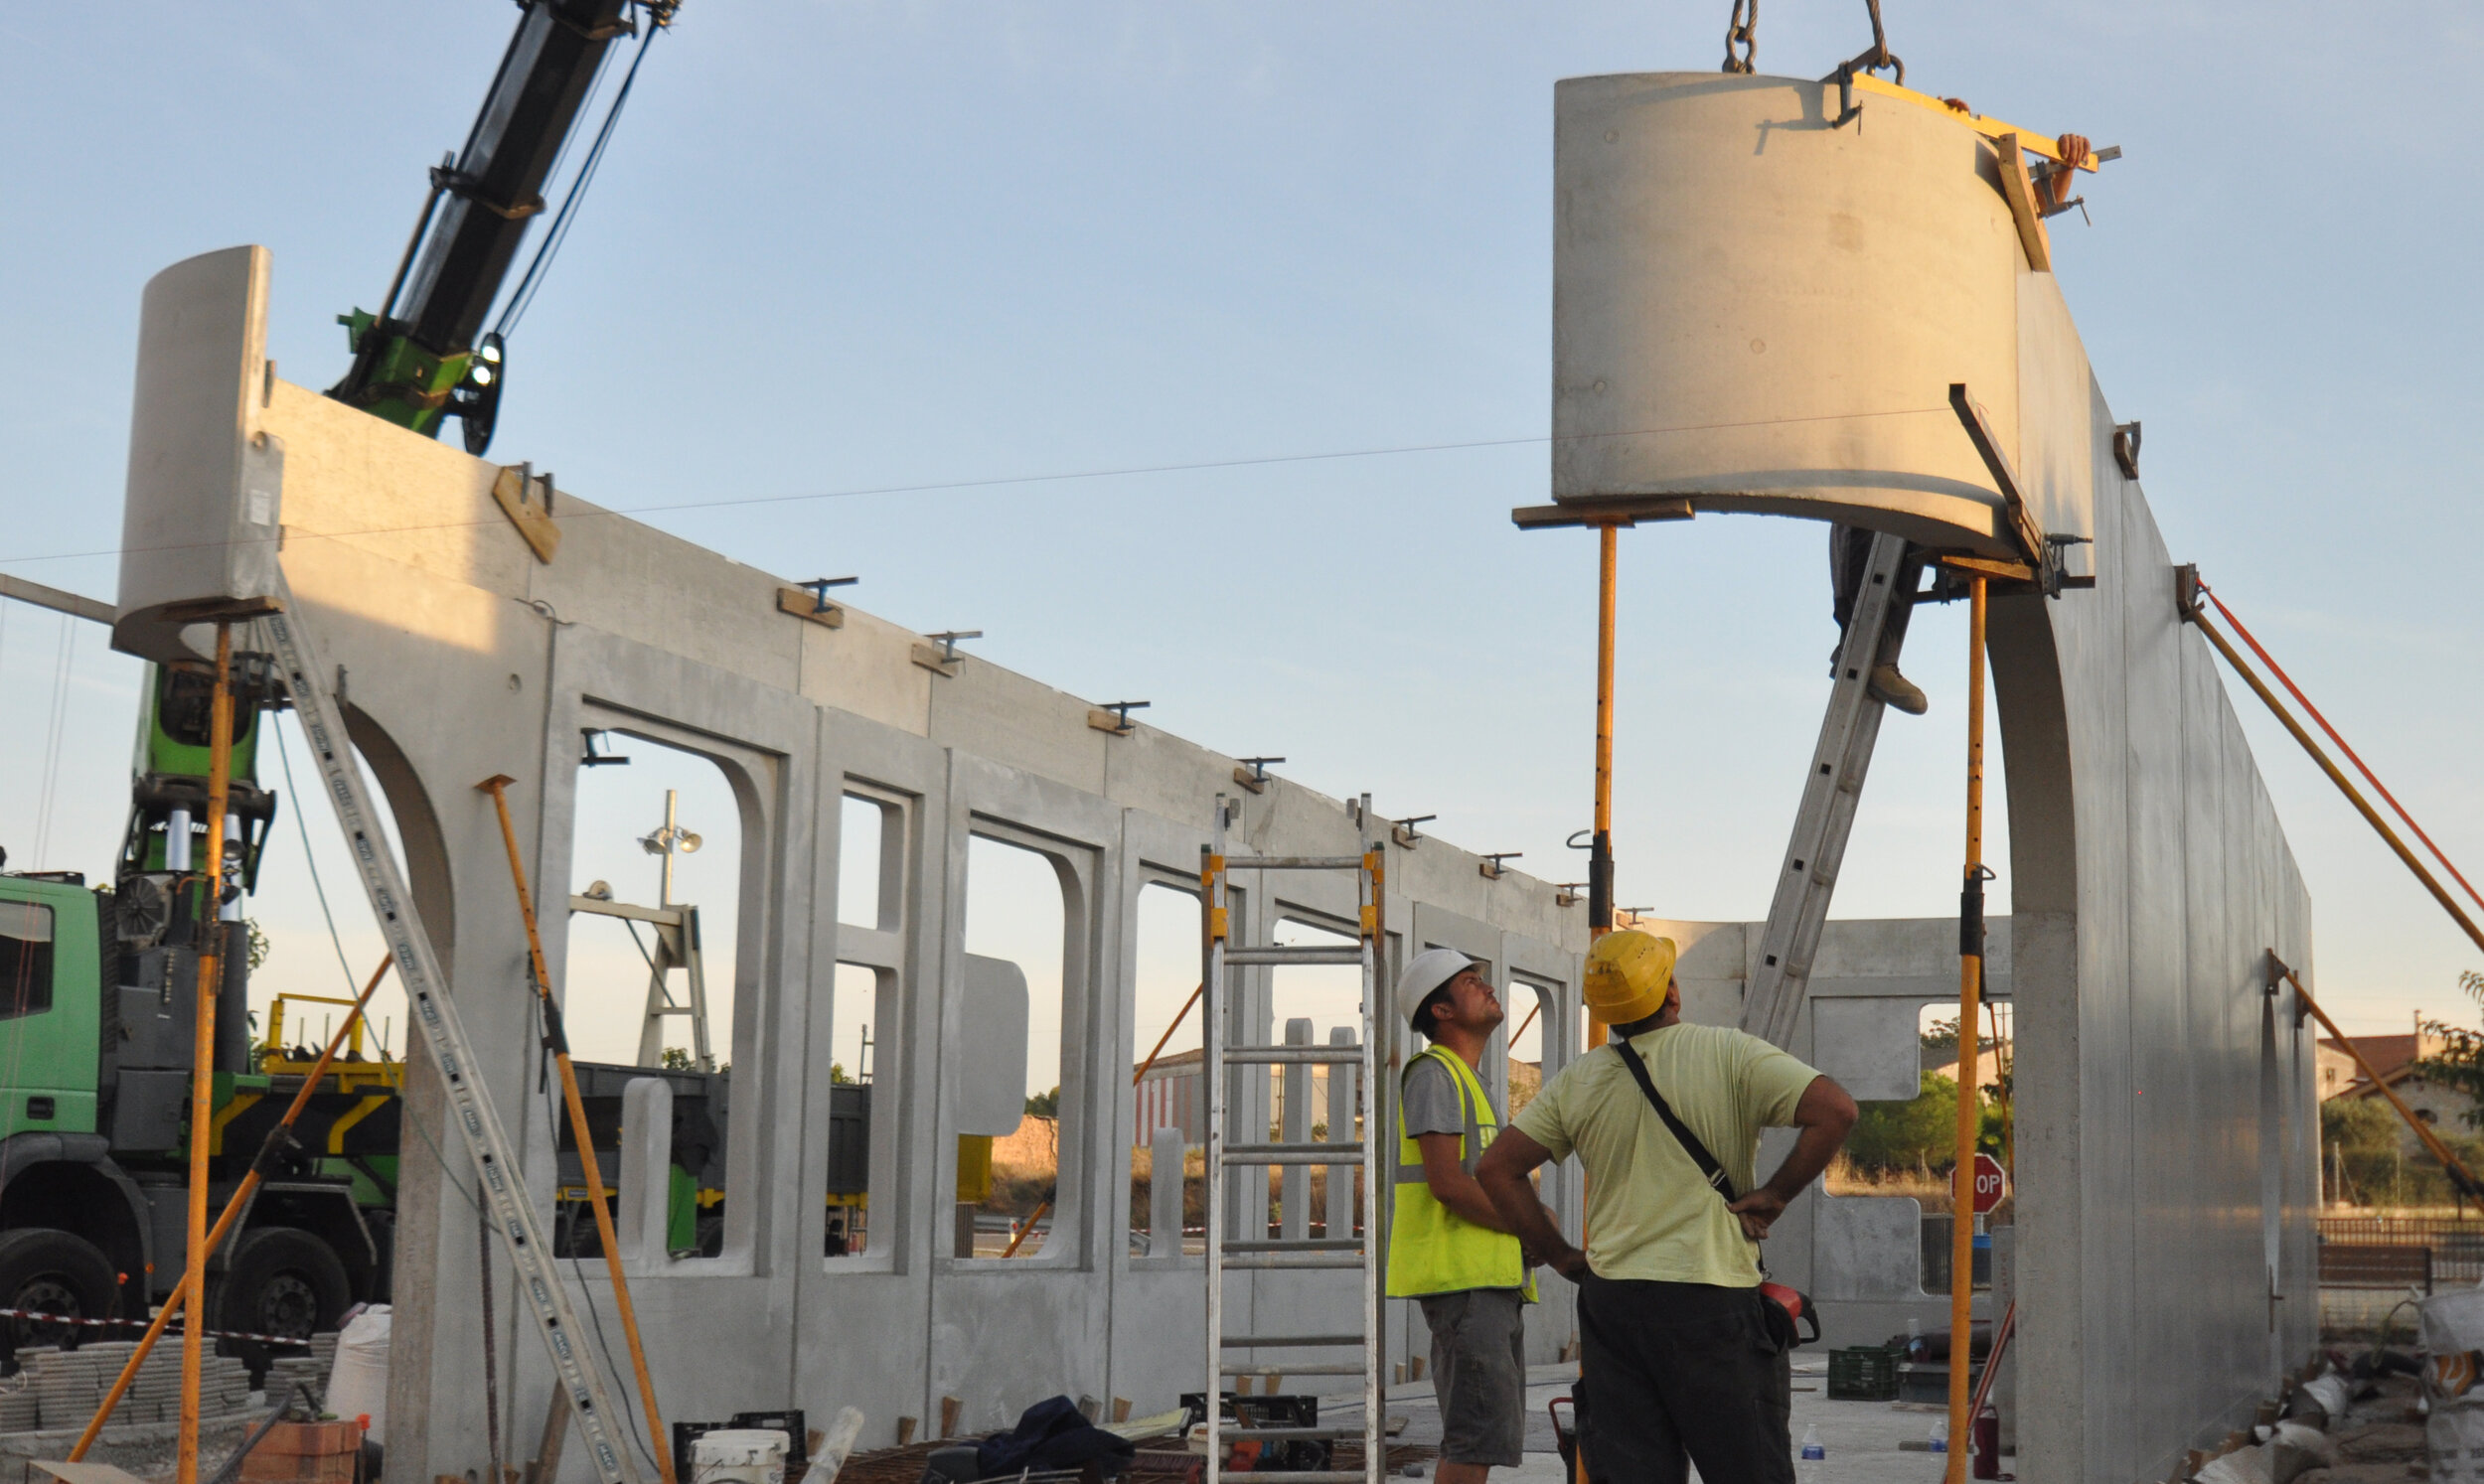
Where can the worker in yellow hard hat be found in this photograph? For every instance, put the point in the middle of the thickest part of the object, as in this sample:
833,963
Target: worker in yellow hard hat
1683,1358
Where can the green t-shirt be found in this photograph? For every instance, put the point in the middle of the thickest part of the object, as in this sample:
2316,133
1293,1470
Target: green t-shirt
1649,1214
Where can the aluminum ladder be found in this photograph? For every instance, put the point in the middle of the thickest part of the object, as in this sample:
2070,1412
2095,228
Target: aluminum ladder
498,1174
1359,1253
1772,1001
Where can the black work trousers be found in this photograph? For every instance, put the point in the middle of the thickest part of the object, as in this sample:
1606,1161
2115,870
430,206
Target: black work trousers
1676,1374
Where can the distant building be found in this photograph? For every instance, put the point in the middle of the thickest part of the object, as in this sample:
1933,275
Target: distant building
1167,1097
2394,1058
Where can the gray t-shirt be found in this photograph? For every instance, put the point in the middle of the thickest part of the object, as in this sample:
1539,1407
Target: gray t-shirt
1430,1103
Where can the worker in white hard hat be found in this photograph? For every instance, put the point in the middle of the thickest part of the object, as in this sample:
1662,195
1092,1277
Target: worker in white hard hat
1685,1358
1449,1249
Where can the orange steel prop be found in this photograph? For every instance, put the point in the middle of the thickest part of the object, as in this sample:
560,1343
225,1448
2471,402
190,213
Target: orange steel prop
498,787
1969,988
202,1046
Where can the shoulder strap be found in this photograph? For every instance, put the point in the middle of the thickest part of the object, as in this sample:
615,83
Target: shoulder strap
1698,1152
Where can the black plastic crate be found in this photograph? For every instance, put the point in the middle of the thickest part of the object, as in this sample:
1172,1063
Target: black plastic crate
1866,1373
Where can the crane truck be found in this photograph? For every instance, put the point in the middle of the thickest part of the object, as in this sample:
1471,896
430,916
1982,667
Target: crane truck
99,985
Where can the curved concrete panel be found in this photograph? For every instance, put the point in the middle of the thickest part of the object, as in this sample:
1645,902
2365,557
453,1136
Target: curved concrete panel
1758,308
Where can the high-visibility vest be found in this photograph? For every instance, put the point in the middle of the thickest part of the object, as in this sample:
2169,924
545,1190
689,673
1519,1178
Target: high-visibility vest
1432,1249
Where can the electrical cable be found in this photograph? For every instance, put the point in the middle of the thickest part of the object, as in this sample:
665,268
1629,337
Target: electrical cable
629,1409
522,296
301,818
52,743
1006,480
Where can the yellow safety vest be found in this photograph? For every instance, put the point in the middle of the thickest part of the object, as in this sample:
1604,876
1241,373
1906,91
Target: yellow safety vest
1432,1249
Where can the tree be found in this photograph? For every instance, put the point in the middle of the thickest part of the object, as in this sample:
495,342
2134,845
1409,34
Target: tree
1046,1104
2460,1061
1920,1133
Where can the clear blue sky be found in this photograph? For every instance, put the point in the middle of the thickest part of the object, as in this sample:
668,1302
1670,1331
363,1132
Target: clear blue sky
851,246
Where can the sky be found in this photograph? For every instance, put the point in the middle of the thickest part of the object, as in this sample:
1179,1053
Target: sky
989,252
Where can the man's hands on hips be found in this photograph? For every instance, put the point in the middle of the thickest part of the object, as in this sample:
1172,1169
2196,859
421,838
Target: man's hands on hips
1758,1211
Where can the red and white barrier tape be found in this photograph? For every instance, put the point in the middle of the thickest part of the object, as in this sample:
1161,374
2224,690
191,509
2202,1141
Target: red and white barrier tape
169,1330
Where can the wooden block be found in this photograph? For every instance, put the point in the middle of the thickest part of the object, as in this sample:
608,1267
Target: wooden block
2019,188
514,494
1121,1409
928,657
1109,722
950,1409
802,605
905,1431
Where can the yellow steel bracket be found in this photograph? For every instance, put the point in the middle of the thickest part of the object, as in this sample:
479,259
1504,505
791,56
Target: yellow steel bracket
1373,867
1991,128
1219,922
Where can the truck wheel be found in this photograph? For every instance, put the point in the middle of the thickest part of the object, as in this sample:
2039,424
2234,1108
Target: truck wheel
48,1272
282,1280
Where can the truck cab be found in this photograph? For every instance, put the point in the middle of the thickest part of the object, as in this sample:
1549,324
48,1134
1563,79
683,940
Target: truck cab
96,1037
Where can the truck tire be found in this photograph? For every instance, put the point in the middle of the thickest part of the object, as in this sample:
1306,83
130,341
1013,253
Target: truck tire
53,1271
281,1281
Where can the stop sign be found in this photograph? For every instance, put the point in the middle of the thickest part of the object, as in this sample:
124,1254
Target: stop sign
1991,1183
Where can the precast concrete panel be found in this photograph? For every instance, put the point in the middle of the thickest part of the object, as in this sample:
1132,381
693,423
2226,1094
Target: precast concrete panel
1762,309
1761,306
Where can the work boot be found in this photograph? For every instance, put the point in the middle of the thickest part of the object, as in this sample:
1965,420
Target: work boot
1891,688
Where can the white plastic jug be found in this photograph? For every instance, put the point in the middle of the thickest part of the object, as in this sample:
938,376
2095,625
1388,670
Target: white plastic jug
740,1455
358,1384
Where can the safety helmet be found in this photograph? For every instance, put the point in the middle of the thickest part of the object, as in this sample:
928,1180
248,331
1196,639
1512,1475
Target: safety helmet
1425,973
1628,974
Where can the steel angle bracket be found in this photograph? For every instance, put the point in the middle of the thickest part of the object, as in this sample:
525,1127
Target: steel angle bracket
498,1176
2040,552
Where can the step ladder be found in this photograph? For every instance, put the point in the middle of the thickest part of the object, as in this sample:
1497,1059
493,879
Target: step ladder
498,1174
1772,1001
1227,1353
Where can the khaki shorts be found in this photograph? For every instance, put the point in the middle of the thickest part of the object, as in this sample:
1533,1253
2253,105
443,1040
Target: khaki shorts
1478,1371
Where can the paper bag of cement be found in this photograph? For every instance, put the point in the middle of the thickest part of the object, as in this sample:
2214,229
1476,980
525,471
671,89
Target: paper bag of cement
2280,1460
358,1384
2330,1392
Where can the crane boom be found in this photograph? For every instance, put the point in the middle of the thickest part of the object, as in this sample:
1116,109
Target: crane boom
428,358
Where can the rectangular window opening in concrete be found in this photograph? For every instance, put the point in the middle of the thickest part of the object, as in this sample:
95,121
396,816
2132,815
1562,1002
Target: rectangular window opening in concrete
864,1085
1008,1053
657,869
1168,1109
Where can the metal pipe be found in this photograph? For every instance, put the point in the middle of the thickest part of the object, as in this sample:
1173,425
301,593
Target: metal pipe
203,1050
1970,990
2372,817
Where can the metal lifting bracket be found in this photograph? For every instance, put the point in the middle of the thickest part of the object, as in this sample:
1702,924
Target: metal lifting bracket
2041,551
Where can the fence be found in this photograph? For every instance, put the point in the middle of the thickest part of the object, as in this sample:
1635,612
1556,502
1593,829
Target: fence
2456,1246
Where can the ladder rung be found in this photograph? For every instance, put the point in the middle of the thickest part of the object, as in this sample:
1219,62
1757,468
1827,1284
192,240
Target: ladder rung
1294,862
1295,1259
1296,1244
1270,1342
1319,1475
1330,1153
1320,1368
1293,954
1289,1056
1287,1434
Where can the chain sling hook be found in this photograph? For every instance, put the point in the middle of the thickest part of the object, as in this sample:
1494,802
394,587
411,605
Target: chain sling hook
1741,30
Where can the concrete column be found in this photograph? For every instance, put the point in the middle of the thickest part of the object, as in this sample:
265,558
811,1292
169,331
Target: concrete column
1165,1193
645,1176
1295,1129
1342,1081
